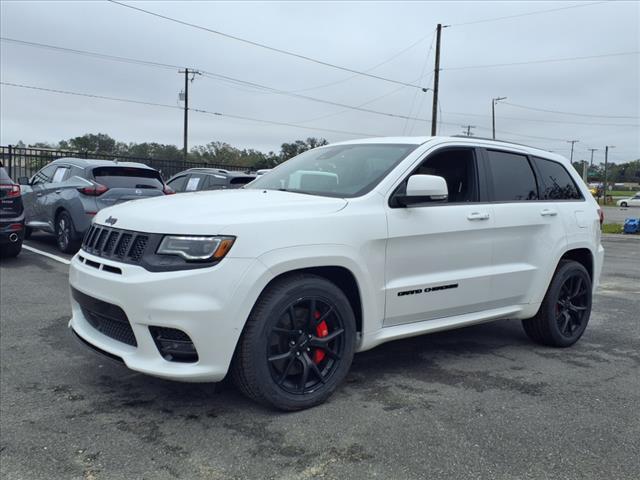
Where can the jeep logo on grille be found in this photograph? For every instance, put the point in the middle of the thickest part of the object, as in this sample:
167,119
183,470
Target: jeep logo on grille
111,220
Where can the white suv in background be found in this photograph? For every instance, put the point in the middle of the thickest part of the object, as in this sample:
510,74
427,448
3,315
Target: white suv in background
336,251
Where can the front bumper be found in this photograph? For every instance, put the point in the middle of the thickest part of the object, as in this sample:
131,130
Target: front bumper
210,305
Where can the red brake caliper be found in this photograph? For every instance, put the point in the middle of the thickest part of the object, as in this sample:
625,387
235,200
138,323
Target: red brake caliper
322,330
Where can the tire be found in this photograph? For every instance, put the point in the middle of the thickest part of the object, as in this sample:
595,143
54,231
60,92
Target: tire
66,235
565,310
11,250
623,204
27,233
277,360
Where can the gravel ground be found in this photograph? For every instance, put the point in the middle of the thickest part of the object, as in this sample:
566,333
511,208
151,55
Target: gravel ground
479,402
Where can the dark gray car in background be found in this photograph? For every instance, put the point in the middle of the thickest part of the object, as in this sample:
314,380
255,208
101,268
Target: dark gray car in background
198,179
64,196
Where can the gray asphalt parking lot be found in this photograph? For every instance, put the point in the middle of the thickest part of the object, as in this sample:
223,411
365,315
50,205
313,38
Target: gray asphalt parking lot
619,214
479,402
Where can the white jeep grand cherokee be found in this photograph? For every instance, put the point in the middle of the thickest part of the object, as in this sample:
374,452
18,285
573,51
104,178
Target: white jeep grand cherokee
334,252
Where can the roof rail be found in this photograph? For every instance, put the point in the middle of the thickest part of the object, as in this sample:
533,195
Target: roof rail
497,140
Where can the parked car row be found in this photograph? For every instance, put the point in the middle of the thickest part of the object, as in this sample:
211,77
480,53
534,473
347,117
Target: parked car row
63,197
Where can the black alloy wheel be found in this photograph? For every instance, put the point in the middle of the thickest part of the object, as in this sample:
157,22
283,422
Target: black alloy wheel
297,344
572,305
564,313
305,345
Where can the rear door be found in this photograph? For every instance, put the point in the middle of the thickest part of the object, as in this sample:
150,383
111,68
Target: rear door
196,182
126,183
527,232
51,193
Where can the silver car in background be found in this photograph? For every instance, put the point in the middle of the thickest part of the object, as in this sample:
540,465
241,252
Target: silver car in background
64,196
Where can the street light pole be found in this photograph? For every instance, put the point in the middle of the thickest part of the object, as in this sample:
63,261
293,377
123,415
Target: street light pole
606,159
493,113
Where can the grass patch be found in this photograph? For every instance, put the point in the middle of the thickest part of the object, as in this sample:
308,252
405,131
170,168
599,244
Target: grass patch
612,228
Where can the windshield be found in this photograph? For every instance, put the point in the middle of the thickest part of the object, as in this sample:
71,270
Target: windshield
340,171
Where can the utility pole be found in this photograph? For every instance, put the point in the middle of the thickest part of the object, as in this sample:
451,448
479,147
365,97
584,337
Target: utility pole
606,159
572,142
586,175
468,128
193,73
493,113
436,82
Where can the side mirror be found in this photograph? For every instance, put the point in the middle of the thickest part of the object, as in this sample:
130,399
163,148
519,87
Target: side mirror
23,180
422,189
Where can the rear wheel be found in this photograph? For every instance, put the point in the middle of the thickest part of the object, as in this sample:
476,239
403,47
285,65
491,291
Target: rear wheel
27,233
565,310
66,235
297,345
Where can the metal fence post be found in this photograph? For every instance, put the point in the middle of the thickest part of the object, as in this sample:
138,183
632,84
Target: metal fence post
10,163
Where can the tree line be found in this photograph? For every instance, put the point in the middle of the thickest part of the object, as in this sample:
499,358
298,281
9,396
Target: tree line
220,153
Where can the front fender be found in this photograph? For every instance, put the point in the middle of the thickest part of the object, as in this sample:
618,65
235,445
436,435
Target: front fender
369,276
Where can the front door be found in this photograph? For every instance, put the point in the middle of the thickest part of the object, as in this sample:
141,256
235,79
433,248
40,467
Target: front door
438,261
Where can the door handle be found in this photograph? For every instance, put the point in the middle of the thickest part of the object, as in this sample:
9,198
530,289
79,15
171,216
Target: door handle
547,212
478,216
59,191
38,194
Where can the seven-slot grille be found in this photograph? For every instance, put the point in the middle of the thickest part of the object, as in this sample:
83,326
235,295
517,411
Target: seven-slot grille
115,243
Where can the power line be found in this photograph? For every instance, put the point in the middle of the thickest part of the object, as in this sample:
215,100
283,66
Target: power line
569,113
569,122
267,47
216,76
218,114
549,60
537,12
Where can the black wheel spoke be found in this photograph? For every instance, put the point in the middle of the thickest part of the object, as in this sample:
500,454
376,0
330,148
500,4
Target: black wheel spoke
325,315
311,320
566,318
322,341
576,308
285,372
281,356
314,368
304,377
285,332
576,287
299,359
292,317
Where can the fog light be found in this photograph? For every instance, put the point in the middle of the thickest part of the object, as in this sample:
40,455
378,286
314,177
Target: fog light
174,345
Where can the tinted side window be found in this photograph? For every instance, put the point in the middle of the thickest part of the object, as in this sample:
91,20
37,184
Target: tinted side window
555,181
178,183
512,177
44,175
216,182
195,183
60,175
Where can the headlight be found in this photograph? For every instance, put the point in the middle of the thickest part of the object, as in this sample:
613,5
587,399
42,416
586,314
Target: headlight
196,249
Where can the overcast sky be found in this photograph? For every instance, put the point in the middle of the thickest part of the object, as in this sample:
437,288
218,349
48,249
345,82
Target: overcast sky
357,35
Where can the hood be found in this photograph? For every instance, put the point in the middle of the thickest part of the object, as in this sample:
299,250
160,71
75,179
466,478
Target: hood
210,212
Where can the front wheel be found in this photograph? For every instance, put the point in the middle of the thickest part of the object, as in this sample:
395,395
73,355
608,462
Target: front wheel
66,236
297,345
565,310
623,204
